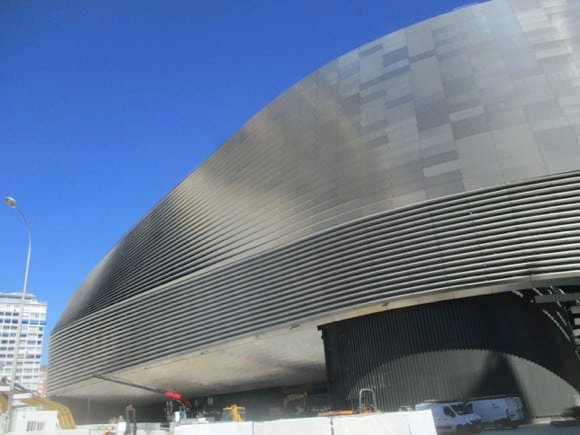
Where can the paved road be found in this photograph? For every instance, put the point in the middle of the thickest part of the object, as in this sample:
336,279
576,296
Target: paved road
537,429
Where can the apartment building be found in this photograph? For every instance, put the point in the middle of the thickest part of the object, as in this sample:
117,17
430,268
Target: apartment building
31,337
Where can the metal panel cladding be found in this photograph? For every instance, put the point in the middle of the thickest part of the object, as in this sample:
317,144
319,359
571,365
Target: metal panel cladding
462,131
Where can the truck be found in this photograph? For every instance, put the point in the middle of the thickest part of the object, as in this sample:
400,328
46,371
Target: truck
451,416
498,411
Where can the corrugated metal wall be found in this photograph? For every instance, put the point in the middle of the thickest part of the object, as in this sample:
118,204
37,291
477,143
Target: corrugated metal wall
453,350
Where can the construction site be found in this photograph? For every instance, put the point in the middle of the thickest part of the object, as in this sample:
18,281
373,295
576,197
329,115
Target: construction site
391,246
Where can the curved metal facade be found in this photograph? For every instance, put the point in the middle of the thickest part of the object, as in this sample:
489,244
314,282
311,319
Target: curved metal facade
442,157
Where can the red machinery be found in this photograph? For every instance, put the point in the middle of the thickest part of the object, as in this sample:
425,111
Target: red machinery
171,395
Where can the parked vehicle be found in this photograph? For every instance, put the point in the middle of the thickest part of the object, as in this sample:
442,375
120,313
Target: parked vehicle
451,416
498,411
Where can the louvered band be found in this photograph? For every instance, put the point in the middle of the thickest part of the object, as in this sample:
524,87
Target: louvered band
505,236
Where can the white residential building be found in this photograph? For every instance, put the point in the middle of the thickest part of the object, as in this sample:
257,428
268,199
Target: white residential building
31,338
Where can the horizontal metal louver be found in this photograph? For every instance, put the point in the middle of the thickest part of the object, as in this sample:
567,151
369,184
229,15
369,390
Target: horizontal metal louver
501,236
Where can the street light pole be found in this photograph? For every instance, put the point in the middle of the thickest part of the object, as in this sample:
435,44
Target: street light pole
11,202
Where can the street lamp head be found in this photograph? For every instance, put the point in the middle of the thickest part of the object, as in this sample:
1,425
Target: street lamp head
10,202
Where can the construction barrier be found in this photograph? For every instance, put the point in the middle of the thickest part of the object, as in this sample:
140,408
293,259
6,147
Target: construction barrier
376,424
297,426
231,428
421,422
396,423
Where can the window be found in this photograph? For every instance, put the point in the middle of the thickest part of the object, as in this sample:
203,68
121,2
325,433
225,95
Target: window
448,412
460,409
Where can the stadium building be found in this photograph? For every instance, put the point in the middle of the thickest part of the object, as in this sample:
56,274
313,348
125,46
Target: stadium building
406,218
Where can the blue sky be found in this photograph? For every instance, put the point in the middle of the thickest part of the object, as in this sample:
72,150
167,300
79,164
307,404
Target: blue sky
106,105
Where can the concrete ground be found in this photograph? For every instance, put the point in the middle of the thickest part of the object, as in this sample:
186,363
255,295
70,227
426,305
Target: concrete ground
536,429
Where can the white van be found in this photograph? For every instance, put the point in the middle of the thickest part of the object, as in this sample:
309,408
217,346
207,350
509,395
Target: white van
499,411
451,416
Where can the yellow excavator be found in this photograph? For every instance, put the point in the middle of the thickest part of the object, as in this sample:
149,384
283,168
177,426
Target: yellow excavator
64,416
